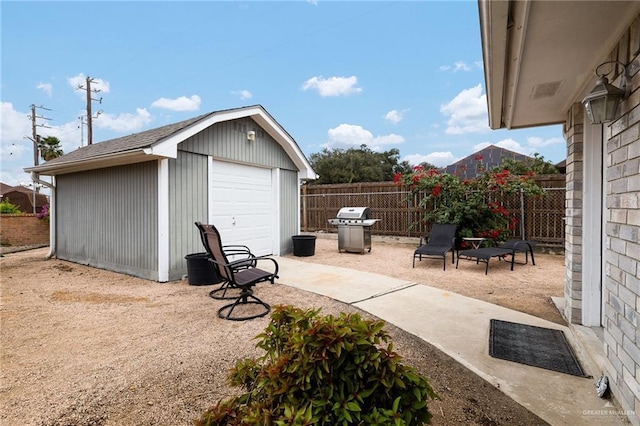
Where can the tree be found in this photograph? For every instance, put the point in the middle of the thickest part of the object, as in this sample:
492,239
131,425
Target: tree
538,165
50,148
355,165
405,167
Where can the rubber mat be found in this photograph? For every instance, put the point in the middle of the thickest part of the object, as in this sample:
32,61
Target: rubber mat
536,346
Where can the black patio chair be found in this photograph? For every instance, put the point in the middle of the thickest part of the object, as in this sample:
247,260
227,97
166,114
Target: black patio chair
441,240
520,246
508,248
242,274
233,252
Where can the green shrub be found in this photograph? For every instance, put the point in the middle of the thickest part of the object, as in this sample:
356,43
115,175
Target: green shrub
324,370
7,208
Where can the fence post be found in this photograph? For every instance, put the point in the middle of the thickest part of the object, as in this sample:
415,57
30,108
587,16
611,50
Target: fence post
305,219
522,237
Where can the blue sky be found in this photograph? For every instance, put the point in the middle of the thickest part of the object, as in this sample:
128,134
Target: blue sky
405,75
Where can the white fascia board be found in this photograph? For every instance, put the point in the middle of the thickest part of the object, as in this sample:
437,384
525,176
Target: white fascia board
289,146
494,16
109,160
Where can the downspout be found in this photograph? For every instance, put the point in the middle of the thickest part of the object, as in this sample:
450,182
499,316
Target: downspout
52,211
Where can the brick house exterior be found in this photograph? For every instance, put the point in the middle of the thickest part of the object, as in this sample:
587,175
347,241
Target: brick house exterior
550,49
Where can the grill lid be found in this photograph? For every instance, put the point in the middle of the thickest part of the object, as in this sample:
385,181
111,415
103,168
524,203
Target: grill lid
353,213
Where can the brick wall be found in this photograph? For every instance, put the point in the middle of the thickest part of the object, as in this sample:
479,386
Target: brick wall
23,230
573,134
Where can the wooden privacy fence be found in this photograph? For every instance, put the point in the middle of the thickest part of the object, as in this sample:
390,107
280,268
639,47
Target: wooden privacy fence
541,218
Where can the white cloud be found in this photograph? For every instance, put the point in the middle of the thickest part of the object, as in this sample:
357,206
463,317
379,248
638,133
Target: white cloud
97,85
333,86
12,150
538,142
395,116
14,124
14,176
124,122
438,159
352,136
178,104
461,66
46,88
243,94
467,112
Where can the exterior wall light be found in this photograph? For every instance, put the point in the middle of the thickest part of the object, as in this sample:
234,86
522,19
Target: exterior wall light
251,136
602,103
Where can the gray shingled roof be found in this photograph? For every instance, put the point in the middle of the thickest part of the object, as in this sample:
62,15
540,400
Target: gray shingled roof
492,156
125,143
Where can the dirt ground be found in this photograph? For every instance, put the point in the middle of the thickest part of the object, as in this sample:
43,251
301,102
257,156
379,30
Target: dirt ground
84,346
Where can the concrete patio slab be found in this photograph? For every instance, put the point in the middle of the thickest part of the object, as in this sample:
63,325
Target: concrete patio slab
459,326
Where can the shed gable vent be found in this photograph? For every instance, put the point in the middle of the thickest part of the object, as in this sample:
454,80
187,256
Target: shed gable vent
546,90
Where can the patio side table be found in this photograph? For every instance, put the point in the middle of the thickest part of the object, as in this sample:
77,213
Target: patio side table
475,242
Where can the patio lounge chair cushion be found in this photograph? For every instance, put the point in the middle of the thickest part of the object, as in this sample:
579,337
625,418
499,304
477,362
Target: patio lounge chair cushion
442,239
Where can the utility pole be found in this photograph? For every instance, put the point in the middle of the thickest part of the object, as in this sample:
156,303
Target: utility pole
83,121
35,138
89,91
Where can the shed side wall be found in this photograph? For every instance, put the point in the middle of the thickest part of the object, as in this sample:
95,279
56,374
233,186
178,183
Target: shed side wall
107,218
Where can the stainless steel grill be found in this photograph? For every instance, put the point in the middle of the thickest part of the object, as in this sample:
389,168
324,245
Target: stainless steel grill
354,229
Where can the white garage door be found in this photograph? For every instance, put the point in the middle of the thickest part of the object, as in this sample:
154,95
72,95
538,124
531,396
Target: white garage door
241,205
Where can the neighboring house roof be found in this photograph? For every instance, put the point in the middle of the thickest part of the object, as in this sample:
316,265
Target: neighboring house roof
162,142
4,188
489,157
540,56
22,197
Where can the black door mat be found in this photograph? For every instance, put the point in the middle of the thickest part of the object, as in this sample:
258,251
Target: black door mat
536,346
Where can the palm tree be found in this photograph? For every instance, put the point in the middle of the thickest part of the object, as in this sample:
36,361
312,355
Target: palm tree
50,148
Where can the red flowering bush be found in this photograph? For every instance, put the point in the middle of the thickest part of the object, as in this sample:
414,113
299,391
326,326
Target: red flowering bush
472,204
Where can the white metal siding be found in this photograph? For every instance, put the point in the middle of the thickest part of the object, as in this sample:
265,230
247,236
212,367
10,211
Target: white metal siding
188,200
228,141
108,218
289,209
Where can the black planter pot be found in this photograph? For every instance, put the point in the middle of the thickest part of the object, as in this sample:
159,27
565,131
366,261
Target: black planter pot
304,245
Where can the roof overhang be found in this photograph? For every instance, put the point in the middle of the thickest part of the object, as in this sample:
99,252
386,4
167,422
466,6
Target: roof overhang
109,160
540,56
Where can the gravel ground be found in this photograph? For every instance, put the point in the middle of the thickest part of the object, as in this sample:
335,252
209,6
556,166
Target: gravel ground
84,346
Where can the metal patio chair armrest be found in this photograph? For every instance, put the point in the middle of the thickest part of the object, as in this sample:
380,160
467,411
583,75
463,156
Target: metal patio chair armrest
275,266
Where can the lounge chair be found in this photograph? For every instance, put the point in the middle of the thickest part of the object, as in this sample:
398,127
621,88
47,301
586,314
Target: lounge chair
233,252
508,248
242,274
442,239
